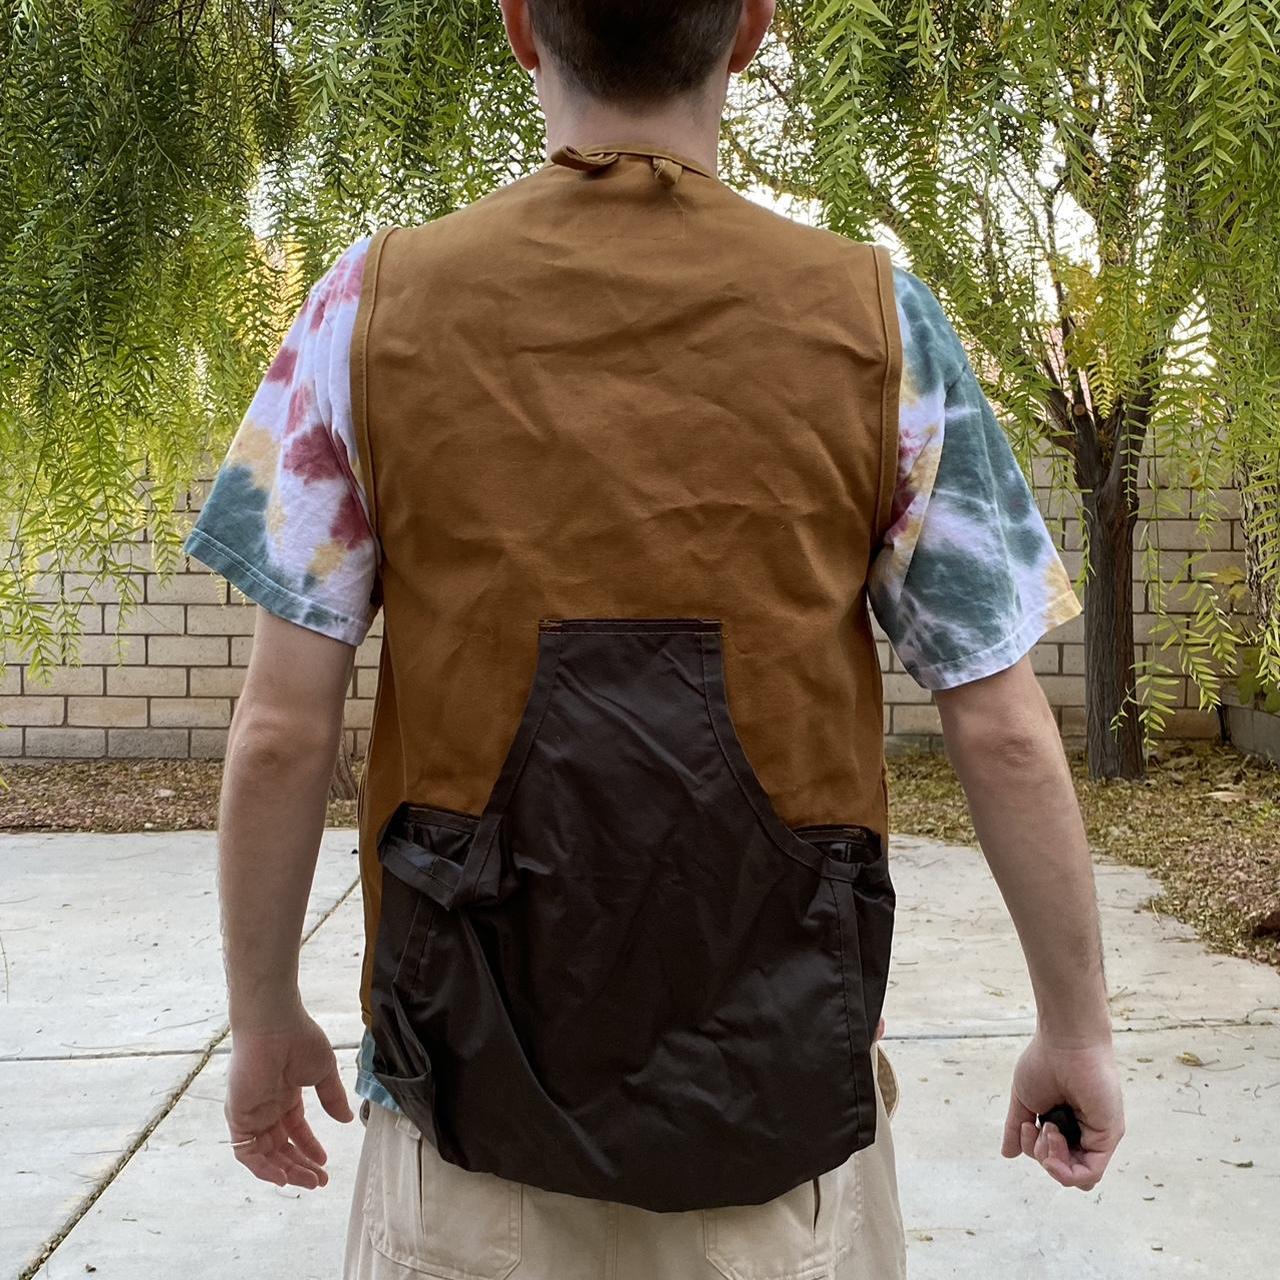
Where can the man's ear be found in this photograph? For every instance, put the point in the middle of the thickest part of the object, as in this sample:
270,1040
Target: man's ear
757,15
515,17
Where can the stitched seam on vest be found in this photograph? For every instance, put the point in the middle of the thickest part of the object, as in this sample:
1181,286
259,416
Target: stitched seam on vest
371,879
546,694
844,995
360,373
890,391
733,768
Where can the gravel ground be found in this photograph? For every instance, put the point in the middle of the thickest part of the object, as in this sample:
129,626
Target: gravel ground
1205,820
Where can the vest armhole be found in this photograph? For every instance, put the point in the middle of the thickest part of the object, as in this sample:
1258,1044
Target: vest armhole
890,393
360,376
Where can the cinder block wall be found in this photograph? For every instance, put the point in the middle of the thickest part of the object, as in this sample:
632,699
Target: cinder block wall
166,685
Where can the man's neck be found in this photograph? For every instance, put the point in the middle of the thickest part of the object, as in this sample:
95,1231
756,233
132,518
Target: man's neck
682,129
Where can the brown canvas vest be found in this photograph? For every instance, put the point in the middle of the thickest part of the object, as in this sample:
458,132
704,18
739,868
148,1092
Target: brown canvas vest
629,440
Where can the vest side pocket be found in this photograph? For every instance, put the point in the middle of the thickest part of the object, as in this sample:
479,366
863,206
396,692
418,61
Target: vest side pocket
864,906
866,901
422,852
417,847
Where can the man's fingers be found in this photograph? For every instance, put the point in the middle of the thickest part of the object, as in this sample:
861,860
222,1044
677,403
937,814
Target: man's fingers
274,1157
333,1096
1017,1116
301,1172
1080,1169
1051,1146
265,1168
288,1150
303,1136
285,1168
1028,1136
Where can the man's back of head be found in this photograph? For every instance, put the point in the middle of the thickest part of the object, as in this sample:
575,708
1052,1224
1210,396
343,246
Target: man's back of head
636,52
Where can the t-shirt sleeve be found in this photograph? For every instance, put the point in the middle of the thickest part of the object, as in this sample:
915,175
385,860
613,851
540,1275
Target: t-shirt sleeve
286,519
968,577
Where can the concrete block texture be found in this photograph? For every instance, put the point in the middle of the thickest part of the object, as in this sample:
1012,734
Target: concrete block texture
186,588
134,744
147,682
66,743
187,651
196,713
107,712
176,659
208,744
62,680
33,709
220,620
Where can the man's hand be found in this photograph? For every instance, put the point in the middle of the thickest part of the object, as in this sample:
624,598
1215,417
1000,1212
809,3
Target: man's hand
264,1107
1087,1078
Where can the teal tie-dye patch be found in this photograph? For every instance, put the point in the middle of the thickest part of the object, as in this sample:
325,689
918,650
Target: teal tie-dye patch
969,577
286,518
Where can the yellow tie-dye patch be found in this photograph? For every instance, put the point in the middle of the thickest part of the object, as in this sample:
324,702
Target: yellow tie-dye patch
328,557
256,449
276,514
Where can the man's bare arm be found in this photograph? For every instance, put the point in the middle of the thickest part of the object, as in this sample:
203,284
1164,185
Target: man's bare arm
281,752
280,757
1006,749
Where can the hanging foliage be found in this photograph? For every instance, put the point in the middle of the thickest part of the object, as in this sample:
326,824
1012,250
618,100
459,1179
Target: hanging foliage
1093,188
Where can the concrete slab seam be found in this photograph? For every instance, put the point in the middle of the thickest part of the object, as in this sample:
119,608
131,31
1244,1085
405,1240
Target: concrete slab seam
51,1246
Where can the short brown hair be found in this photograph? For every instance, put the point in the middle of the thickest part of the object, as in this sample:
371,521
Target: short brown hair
635,51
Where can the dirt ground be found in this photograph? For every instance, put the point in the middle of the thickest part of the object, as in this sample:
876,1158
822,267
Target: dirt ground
1205,820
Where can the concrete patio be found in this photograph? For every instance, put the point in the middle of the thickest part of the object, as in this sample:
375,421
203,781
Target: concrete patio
112,1061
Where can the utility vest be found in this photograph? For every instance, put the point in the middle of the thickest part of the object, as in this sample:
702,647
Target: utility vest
629,442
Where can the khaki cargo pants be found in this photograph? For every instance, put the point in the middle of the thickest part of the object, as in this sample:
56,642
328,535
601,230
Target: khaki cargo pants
415,1215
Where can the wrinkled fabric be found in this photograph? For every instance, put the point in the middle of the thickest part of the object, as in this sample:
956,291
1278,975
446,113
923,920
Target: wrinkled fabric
590,394
414,1214
627,978
625,790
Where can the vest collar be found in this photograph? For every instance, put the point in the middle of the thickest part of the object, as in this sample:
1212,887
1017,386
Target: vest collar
667,165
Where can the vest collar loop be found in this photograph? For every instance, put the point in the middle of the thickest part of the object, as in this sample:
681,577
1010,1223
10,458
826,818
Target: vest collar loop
667,165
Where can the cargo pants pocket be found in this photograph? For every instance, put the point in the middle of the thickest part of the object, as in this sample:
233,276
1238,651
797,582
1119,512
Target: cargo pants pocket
431,1217
784,1239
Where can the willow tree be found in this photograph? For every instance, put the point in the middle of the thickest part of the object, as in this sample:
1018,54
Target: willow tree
177,172
175,175
1093,189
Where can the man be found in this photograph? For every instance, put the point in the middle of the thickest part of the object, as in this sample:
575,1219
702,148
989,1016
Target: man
623,458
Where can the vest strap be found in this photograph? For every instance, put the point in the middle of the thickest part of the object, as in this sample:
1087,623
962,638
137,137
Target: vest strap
437,877
572,158
667,171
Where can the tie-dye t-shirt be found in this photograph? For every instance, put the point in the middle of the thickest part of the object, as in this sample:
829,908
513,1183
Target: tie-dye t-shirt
968,578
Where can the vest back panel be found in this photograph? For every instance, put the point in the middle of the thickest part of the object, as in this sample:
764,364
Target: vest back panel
594,394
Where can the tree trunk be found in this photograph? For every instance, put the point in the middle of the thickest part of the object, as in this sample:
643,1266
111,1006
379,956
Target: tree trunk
343,786
1108,634
1265,596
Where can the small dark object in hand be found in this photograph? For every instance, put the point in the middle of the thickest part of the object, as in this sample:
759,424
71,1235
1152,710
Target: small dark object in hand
1065,1118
